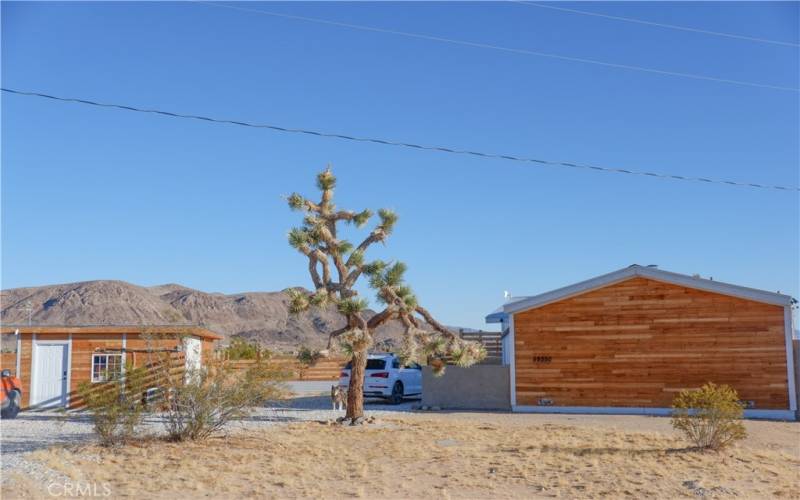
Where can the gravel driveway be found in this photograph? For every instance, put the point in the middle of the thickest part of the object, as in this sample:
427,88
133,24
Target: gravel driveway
31,431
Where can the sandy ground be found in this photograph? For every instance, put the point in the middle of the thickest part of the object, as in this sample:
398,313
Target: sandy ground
450,455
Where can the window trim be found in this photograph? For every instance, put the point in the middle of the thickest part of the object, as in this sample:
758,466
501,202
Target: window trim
107,356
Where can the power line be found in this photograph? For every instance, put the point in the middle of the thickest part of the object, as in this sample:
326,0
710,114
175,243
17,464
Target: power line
501,48
387,142
660,25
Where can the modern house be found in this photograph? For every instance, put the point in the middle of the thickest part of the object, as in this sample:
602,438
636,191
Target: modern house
51,361
628,341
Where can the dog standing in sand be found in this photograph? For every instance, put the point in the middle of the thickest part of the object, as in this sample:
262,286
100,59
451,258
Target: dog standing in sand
339,397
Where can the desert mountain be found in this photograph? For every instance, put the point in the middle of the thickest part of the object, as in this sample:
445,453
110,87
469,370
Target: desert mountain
260,316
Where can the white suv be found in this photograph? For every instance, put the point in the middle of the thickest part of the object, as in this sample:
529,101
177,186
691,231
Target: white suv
386,377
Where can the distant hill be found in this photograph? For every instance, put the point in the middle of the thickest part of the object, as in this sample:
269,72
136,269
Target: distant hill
261,316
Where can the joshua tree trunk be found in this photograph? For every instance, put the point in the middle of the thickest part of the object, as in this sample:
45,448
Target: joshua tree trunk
355,392
327,254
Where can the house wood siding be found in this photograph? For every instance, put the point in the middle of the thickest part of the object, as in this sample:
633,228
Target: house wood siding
638,342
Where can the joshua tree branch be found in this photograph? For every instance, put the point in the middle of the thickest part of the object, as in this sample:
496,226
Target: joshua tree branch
345,215
341,268
414,321
326,271
335,334
381,318
352,278
358,321
312,270
311,206
432,321
312,265
375,236
409,321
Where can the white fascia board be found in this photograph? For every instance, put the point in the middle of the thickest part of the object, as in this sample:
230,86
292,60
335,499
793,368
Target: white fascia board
496,317
650,273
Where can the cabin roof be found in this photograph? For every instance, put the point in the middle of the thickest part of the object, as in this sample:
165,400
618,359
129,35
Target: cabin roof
193,330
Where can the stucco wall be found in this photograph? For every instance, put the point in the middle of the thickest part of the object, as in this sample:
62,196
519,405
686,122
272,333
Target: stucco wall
480,387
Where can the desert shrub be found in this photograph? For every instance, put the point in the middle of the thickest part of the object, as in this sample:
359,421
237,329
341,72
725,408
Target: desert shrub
709,416
307,356
242,349
201,402
116,406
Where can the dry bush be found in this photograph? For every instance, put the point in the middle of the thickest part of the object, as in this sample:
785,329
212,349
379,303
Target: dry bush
198,403
710,417
116,406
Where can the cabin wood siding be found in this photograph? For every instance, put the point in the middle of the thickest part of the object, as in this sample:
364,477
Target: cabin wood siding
84,345
638,342
26,354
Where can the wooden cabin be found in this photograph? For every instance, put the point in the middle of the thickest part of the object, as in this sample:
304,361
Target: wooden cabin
629,341
52,361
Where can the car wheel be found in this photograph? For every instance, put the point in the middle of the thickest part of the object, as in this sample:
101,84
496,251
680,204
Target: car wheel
397,393
12,409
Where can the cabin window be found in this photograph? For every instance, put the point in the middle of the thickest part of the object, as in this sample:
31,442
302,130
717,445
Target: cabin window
106,367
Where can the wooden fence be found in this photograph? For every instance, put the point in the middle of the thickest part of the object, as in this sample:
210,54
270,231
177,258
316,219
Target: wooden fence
491,342
321,370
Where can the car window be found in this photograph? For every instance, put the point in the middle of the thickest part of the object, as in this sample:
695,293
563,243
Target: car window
372,364
395,363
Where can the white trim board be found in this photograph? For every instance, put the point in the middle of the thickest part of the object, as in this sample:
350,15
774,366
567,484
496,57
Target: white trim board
19,355
650,273
69,368
664,412
790,361
513,361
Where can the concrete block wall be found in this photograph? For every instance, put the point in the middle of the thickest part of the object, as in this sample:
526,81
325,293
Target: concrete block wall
479,387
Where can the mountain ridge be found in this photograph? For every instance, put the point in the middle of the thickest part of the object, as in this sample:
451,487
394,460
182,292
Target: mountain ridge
262,317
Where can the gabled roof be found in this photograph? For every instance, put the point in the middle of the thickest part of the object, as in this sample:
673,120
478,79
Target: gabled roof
633,271
196,331
498,314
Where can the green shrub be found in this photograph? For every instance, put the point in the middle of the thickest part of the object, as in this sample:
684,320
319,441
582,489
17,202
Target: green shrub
117,406
307,356
710,417
242,349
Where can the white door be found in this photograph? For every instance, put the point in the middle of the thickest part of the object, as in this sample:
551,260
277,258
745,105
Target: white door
192,352
50,376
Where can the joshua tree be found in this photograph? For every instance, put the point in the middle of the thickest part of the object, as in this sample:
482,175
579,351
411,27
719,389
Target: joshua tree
328,255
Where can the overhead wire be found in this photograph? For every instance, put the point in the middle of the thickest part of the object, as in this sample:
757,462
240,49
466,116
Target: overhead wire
488,46
660,25
387,142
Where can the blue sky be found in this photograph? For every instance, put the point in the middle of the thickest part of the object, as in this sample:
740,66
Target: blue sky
91,194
